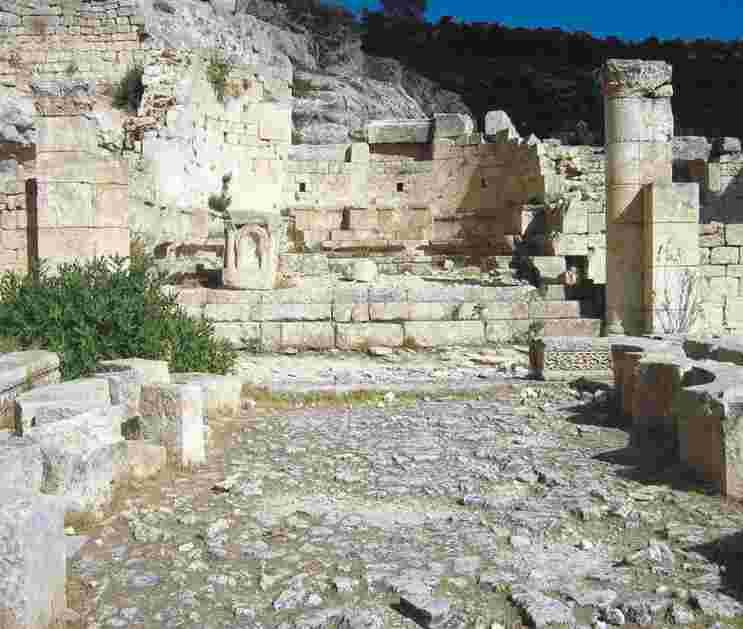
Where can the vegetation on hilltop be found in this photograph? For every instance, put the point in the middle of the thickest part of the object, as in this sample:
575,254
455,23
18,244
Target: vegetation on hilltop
544,77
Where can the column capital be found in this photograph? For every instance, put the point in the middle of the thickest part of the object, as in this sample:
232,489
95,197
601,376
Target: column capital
627,78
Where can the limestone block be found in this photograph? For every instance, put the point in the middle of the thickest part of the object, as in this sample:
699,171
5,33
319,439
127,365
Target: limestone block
306,264
440,333
734,311
505,330
299,335
726,145
359,153
399,131
292,312
67,133
571,245
32,413
508,311
623,164
390,219
675,203
672,244
656,162
442,294
363,219
81,455
734,234
242,335
125,384
554,309
345,313
32,545
233,312
363,271
498,126
173,416
274,121
152,371
717,289
712,177
21,463
299,295
575,218
433,311
66,204
549,267
389,311
111,206
596,222
712,235
725,255
633,78
360,336
451,125
221,393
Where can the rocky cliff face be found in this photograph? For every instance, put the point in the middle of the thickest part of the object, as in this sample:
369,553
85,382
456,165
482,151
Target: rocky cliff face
337,87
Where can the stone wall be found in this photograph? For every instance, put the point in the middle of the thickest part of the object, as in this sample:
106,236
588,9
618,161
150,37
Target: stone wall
16,164
88,39
721,270
185,139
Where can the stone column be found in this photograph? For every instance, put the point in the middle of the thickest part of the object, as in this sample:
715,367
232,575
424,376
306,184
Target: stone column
638,129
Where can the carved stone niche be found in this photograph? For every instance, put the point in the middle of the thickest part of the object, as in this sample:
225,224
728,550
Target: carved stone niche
251,252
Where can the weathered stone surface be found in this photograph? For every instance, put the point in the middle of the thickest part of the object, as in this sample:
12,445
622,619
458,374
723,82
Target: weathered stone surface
360,336
21,463
75,395
81,455
567,357
33,559
152,371
17,124
363,271
221,393
173,416
125,384
141,460
451,125
20,371
440,333
399,131
498,126
632,77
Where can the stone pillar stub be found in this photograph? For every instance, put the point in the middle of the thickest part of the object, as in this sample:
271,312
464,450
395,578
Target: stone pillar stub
638,130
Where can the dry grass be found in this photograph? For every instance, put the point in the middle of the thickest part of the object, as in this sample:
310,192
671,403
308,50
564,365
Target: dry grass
410,343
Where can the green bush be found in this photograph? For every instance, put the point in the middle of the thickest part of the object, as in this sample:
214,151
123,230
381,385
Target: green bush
217,70
107,308
129,90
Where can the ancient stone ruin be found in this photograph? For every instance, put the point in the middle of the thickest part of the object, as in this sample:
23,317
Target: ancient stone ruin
428,233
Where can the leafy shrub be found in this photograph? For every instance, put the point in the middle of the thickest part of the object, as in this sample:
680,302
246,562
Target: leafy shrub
220,203
217,70
107,308
129,90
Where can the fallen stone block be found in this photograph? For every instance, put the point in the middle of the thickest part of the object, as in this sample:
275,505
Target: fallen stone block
173,416
81,456
58,401
451,125
30,414
153,371
20,372
125,384
221,393
21,463
399,131
33,559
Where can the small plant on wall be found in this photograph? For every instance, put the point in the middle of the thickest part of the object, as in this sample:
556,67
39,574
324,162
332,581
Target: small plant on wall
128,92
217,71
220,203
679,306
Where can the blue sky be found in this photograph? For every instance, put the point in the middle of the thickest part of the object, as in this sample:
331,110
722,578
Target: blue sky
627,19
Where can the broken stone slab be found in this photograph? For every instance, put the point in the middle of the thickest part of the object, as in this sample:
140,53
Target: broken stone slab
22,371
399,131
21,463
152,371
569,357
221,393
173,416
499,128
423,608
542,611
451,125
33,556
32,413
125,383
74,394
81,456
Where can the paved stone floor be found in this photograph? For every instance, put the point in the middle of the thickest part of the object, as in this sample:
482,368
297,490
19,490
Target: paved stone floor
520,505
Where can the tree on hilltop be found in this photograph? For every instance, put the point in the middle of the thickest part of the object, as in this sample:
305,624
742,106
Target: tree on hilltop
406,9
